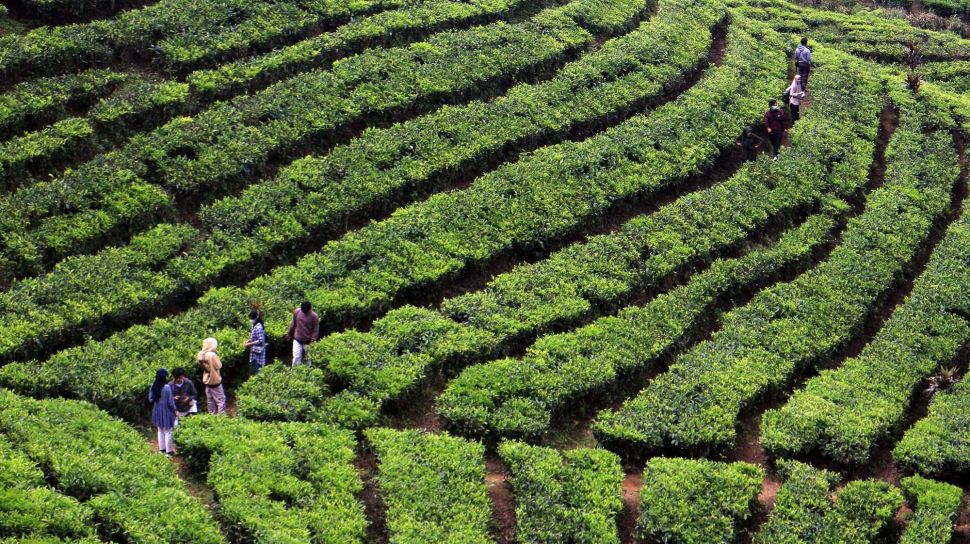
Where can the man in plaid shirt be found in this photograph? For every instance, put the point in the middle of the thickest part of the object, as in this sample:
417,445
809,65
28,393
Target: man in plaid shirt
257,342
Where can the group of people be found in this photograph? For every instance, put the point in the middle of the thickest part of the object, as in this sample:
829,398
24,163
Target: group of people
776,123
178,397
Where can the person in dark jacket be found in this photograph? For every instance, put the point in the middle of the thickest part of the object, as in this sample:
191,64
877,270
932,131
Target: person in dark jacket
749,142
776,124
304,329
163,411
184,392
803,62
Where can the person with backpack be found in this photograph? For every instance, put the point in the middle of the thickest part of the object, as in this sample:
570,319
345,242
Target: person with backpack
163,411
304,329
215,395
256,342
803,62
776,124
795,92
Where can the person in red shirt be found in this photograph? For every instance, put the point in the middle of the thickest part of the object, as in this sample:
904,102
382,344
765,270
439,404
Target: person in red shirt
304,330
776,124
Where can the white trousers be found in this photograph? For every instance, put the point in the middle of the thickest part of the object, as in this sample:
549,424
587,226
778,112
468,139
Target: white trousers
301,354
165,440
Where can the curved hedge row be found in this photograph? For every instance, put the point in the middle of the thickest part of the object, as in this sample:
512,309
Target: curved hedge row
517,397
223,308
795,325
378,169
141,105
231,140
285,483
176,33
110,468
393,356
573,496
845,412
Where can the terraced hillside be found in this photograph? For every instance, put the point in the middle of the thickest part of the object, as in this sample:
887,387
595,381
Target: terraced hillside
558,303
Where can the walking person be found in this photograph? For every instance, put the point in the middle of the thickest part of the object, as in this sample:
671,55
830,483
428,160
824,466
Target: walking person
776,124
749,142
304,329
795,93
803,62
215,395
163,411
256,342
185,394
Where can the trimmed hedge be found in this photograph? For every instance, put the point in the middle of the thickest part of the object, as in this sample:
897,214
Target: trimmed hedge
939,444
936,506
46,100
281,213
573,496
285,286
29,508
177,33
685,501
806,510
108,466
401,347
190,155
433,486
278,483
517,397
844,413
695,404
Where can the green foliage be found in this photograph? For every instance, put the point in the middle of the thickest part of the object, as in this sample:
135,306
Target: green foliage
806,511
845,412
281,393
936,506
178,33
433,486
517,397
572,496
28,507
45,100
287,286
794,325
109,467
278,482
232,139
685,501
940,442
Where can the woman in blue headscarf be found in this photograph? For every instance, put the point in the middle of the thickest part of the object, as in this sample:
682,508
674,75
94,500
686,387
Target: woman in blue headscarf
163,411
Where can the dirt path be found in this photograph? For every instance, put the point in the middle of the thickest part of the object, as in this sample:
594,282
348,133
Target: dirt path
627,521
503,504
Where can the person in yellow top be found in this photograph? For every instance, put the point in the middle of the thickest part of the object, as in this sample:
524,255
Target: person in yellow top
215,396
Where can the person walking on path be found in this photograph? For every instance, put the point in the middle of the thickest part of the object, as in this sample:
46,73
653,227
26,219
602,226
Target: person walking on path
186,397
803,62
163,411
795,94
304,329
776,124
215,395
257,342
749,142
